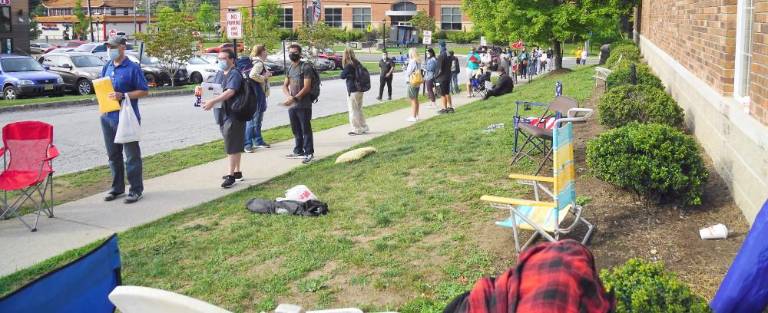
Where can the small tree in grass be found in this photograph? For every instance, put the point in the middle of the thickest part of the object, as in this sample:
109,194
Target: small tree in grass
206,17
318,35
80,28
171,40
423,22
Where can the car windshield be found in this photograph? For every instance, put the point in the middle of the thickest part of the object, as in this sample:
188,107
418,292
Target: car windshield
145,60
87,61
21,65
197,60
86,47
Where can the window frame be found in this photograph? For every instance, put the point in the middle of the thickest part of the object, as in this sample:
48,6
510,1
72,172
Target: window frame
745,20
284,23
452,24
337,20
359,17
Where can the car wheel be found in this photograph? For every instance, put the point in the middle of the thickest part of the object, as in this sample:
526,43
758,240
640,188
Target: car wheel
151,79
84,87
10,93
196,78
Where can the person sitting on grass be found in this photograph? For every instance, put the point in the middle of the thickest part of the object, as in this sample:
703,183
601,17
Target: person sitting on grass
503,86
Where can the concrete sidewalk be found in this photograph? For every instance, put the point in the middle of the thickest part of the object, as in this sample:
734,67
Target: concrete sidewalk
83,221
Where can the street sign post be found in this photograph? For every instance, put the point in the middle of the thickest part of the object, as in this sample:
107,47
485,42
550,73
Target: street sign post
427,37
234,25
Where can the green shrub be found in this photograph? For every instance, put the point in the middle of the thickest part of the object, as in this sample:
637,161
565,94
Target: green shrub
643,287
628,52
621,76
461,36
655,161
629,103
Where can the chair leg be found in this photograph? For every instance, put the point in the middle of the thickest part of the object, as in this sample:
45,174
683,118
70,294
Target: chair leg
547,158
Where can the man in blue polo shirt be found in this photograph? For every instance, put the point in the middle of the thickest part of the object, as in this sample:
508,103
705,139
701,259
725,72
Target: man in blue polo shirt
128,80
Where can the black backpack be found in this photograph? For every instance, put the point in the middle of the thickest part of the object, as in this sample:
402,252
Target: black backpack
245,102
314,92
362,78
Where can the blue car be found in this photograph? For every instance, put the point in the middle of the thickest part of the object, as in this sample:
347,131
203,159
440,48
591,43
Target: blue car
23,76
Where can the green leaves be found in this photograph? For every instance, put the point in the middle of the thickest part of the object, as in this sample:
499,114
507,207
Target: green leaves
638,103
171,40
422,21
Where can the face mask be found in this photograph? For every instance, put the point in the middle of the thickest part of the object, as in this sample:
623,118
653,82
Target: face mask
113,54
223,65
295,57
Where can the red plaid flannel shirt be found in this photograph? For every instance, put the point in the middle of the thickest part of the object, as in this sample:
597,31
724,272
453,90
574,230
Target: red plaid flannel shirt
557,277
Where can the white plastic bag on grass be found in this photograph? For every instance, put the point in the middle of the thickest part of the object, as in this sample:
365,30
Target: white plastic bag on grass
299,193
128,127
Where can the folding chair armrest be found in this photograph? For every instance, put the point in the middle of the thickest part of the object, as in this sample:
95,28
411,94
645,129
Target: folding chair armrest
533,178
2,151
53,152
512,201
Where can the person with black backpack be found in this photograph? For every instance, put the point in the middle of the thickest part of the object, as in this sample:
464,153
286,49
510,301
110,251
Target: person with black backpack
301,87
232,127
358,81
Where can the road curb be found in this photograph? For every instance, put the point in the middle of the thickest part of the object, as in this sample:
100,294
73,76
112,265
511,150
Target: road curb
92,101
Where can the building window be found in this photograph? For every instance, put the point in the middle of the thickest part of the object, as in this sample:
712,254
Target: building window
450,18
287,20
125,11
744,22
404,6
6,44
113,11
361,18
333,17
5,20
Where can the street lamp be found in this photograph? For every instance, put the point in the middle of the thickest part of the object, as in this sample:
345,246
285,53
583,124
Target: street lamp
384,34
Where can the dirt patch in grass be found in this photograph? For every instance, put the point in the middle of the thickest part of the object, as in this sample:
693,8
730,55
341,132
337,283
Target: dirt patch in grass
629,227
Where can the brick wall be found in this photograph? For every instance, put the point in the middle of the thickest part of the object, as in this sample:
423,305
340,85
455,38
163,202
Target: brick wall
758,89
700,35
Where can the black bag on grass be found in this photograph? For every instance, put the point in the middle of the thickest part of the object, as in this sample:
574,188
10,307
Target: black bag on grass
309,208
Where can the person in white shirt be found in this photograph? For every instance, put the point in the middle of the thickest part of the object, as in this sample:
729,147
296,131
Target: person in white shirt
584,55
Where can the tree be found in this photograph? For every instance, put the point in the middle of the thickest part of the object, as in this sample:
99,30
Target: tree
318,35
171,39
267,20
423,22
34,31
206,17
83,23
550,21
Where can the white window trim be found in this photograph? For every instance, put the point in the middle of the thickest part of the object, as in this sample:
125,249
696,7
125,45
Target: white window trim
744,24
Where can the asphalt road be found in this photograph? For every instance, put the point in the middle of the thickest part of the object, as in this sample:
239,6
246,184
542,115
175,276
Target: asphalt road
171,122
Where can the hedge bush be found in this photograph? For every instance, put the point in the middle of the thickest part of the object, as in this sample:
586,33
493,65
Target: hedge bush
461,36
637,103
628,52
621,76
655,161
644,287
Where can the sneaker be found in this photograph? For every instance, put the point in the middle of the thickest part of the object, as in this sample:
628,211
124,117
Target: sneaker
389,98
450,110
263,146
308,158
295,156
112,196
132,198
378,98
238,176
412,119
248,149
354,133
229,180
442,111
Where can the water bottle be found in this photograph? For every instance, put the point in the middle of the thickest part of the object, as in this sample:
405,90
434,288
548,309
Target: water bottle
198,95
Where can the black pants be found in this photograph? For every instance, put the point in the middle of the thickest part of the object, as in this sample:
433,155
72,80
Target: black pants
301,125
382,81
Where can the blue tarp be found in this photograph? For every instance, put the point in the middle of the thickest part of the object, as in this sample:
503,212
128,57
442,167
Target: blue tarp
80,286
745,287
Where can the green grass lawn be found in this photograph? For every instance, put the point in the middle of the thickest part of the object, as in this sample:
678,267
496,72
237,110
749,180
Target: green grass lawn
406,230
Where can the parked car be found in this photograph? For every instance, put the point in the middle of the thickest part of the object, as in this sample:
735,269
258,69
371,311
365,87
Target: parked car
77,69
61,50
331,55
199,69
74,43
155,73
274,67
23,76
225,46
322,65
98,49
41,47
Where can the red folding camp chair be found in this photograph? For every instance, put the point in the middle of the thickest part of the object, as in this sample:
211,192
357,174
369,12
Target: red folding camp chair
28,154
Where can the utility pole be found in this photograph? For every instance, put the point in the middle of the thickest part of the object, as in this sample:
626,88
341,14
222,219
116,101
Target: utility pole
252,17
90,20
134,22
149,14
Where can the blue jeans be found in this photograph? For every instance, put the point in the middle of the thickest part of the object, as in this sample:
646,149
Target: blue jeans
455,83
132,165
253,131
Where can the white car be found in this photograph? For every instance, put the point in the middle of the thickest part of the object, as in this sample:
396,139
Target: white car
200,69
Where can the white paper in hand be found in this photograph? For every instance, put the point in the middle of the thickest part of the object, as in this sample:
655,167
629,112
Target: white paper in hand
128,127
210,91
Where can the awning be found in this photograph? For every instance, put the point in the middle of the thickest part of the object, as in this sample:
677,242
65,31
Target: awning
400,13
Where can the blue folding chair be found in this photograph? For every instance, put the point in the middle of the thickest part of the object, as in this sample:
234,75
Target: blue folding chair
80,286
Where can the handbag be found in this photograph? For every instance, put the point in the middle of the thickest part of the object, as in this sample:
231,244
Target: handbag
416,78
128,126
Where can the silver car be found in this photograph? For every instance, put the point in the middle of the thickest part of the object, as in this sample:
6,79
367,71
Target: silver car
77,69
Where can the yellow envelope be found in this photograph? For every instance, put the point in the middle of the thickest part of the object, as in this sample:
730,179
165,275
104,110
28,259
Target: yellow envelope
103,87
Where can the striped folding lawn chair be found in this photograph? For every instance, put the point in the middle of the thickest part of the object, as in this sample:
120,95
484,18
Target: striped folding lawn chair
544,218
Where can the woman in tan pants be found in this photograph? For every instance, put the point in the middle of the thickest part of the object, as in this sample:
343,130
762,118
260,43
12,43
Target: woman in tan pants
355,96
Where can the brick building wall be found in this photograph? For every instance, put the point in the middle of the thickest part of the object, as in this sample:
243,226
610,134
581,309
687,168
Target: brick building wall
758,90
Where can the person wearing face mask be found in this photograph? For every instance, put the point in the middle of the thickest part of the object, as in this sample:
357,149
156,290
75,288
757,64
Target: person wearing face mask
387,67
297,86
232,129
260,74
128,81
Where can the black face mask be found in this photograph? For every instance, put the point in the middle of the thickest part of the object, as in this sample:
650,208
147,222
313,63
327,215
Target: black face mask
295,57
